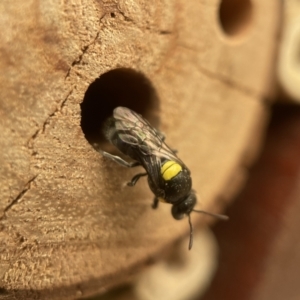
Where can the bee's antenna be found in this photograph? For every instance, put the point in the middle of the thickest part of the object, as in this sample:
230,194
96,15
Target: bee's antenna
191,233
221,217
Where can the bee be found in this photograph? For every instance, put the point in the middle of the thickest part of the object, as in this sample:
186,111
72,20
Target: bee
168,177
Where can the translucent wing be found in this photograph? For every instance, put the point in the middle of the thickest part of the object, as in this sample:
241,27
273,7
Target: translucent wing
147,142
133,129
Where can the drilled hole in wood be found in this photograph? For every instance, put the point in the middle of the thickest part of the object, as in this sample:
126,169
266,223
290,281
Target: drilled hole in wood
118,87
235,16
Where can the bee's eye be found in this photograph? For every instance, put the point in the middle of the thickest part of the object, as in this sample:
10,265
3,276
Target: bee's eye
184,207
177,213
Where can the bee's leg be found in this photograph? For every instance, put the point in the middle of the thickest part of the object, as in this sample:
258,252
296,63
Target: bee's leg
120,160
155,203
136,178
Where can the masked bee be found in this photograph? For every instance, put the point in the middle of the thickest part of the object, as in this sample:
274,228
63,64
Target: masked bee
168,177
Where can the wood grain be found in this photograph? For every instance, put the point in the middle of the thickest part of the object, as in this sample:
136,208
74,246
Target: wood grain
69,225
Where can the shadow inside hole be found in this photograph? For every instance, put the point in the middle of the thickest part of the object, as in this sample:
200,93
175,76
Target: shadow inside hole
119,87
125,291
235,16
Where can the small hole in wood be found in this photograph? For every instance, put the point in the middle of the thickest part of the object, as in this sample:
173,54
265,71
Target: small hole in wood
118,87
235,16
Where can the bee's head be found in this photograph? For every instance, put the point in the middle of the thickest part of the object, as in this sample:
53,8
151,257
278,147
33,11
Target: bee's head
185,207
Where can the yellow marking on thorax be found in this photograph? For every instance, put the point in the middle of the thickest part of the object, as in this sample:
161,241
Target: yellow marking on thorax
170,169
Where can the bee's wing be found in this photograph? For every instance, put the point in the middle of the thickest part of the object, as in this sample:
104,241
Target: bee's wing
148,142
153,166
133,129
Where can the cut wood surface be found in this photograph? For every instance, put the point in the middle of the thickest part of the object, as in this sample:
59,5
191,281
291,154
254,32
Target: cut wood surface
69,225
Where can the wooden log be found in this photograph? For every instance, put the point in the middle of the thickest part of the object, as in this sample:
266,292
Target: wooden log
70,227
